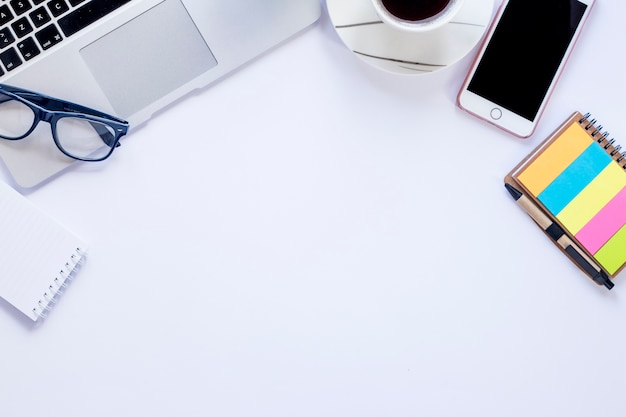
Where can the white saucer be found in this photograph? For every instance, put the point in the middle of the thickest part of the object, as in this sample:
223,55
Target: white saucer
384,47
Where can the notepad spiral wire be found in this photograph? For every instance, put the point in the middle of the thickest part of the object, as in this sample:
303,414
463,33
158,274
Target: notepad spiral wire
609,145
58,284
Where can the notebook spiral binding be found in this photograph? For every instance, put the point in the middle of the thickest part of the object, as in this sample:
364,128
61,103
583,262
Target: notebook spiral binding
614,150
58,284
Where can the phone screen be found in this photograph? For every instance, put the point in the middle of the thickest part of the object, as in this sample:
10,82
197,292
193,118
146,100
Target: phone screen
525,52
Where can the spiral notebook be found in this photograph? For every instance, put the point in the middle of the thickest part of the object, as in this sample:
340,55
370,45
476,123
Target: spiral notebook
39,256
574,186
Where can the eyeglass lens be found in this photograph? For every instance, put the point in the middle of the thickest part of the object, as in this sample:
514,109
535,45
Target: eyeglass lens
84,139
16,118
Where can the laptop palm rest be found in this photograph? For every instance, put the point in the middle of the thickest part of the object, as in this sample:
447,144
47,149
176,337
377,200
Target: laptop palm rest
148,57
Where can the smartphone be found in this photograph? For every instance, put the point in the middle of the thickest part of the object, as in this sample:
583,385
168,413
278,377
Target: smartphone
520,61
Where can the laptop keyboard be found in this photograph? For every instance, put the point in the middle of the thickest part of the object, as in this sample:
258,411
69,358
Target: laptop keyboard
28,28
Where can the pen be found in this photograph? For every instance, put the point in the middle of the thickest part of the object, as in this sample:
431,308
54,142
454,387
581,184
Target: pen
557,234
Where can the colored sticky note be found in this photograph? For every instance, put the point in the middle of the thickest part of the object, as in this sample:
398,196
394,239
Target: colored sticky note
613,254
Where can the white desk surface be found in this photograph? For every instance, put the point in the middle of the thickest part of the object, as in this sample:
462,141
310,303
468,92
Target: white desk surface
313,237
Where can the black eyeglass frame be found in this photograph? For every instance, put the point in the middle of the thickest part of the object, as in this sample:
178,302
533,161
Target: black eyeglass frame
51,110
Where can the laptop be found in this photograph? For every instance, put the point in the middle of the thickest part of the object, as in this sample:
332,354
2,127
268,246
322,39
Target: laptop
129,58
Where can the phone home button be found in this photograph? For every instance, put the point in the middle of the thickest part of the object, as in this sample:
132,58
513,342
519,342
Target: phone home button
496,113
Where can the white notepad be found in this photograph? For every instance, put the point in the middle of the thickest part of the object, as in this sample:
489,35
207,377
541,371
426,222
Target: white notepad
38,255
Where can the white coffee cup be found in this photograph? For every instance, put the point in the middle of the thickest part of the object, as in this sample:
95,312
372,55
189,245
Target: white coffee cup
417,15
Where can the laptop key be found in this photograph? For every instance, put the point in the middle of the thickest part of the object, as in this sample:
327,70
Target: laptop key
58,7
40,17
28,48
5,14
22,27
48,37
88,14
20,6
6,38
10,59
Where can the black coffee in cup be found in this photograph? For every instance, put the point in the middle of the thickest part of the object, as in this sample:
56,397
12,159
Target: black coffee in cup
415,10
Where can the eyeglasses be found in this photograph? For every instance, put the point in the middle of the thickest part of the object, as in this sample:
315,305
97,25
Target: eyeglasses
79,132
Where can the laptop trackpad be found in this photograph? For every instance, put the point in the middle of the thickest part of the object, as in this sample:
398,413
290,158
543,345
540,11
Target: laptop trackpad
148,57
